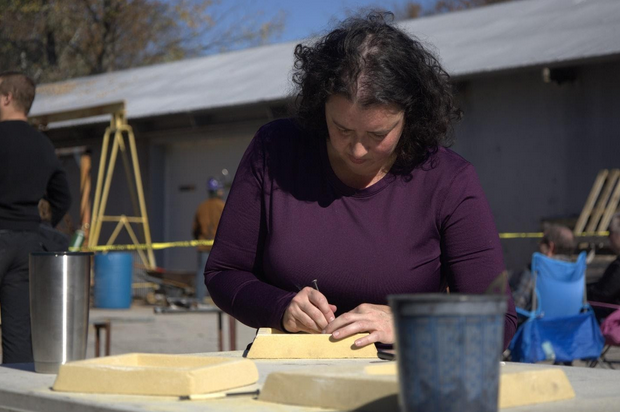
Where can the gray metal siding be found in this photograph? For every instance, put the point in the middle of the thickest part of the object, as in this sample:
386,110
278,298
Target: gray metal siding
537,147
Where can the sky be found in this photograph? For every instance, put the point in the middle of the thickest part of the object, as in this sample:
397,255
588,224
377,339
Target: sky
305,18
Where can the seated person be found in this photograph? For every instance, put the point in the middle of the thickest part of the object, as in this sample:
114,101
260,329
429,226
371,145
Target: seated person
357,192
558,242
607,289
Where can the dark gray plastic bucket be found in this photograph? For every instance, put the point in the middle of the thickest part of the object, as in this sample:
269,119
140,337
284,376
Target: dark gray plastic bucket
449,348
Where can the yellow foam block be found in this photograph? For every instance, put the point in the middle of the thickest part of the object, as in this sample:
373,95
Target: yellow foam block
341,388
384,368
155,374
375,387
274,344
532,386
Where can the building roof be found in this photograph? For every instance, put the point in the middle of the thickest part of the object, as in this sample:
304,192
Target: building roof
508,36
522,34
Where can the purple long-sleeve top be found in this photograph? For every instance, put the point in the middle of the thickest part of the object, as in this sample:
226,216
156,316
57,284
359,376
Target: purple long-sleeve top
289,219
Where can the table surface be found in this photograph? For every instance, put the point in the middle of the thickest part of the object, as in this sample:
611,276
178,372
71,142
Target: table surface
21,389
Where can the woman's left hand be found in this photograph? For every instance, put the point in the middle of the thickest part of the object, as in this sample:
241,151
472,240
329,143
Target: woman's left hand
375,319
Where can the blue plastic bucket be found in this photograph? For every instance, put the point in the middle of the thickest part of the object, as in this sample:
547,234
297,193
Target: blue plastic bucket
448,350
113,278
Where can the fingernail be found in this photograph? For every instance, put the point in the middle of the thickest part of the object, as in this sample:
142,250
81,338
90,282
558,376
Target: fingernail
335,334
331,319
323,331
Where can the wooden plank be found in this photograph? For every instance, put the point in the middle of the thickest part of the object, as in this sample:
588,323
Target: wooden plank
587,208
612,206
85,189
601,204
81,113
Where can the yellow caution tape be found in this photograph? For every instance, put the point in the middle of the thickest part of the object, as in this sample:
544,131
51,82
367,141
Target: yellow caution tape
194,243
154,246
540,235
520,235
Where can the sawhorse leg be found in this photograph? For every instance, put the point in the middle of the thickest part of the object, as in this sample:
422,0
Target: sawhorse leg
232,332
98,326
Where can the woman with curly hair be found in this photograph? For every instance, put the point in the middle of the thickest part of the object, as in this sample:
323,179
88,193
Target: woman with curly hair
357,194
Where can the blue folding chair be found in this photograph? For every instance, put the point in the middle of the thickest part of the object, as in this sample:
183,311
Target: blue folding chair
561,325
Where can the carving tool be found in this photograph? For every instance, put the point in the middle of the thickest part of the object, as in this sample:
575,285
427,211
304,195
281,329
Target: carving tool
217,395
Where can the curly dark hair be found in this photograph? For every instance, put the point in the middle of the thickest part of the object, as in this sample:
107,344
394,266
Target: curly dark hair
374,62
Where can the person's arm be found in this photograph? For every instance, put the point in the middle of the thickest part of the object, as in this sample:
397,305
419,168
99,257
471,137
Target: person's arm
234,270
471,251
58,195
607,289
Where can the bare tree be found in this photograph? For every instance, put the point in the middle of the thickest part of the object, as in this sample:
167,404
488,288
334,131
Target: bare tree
59,39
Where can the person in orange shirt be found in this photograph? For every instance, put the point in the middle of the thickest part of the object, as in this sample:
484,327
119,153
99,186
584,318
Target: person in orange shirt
204,228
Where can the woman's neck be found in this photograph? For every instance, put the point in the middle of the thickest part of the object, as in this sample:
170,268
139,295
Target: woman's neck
351,179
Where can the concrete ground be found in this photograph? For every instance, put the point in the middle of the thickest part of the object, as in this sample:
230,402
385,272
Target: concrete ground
140,329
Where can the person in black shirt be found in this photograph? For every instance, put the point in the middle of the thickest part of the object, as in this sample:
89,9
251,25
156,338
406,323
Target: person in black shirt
607,289
29,172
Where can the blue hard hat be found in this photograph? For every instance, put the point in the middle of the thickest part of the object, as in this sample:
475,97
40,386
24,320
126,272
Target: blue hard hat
213,184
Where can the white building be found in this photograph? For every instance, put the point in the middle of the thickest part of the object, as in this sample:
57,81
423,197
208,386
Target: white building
538,80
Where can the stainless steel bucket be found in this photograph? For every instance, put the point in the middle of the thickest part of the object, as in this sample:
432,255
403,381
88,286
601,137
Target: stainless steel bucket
59,304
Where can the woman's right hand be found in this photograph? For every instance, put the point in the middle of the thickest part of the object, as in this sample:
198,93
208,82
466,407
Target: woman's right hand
309,312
